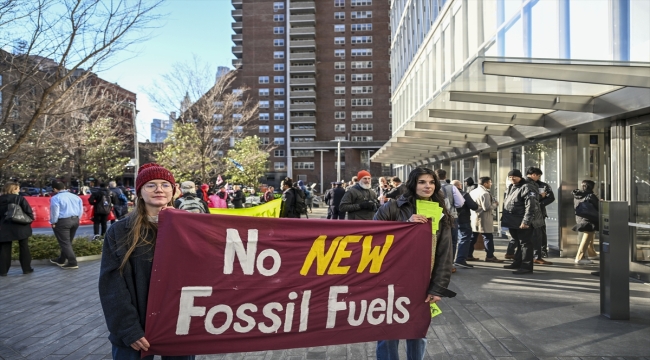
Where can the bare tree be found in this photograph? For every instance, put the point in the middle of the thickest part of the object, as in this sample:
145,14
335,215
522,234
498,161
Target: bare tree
59,43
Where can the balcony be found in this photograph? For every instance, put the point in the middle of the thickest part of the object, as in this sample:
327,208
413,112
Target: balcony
303,107
237,27
302,81
303,44
237,14
237,4
237,39
237,63
303,30
308,7
238,51
309,19
302,120
302,132
305,69
303,94
302,56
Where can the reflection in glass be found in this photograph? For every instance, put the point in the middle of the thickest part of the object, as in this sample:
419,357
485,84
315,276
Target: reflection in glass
641,191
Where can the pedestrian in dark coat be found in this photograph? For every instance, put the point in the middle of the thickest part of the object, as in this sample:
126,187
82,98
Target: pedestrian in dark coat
464,227
237,198
333,198
586,251
11,231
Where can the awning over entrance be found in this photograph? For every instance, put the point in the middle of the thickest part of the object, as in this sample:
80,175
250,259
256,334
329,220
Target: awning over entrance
497,102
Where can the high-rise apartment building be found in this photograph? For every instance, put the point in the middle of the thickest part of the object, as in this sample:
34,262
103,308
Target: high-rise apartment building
321,72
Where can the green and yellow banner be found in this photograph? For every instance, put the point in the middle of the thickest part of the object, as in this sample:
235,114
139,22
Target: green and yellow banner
270,209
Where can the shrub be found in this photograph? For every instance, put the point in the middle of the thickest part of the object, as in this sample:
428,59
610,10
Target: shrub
47,247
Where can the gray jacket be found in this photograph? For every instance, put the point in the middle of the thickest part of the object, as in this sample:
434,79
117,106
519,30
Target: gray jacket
351,203
521,205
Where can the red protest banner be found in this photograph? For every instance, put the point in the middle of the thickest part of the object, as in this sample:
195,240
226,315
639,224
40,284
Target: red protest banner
224,284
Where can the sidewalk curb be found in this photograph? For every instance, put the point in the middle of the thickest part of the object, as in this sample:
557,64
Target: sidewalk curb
47,261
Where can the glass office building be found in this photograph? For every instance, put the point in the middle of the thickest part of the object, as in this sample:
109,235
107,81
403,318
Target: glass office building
480,87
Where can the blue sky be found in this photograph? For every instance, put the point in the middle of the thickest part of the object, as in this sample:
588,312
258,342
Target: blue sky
201,27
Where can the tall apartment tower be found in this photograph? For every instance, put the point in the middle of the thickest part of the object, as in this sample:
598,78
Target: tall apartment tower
321,72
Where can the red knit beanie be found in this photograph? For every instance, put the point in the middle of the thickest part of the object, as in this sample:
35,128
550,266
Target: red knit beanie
361,174
152,171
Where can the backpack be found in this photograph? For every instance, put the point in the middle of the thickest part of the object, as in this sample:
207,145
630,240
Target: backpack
122,198
191,204
300,207
104,205
308,194
450,204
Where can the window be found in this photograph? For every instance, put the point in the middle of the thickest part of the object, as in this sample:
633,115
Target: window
264,129
361,27
361,15
339,90
278,30
303,153
362,89
278,42
361,65
237,104
278,104
303,139
339,77
339,28
263,92
339,115
217,117
238,129
265,141
264,116
361,102
278,67
278,6
339,40
278,17
218,128
361,77
339,53
278,116
234,91
278,91
339,102
278,128
278,153
339,15
278,141
339,65
278,54
303,165
263,80
361,127
361,40
361,52
361,138
339,127
278,79
361,2
339,3
279,166
361,115
264,104
342,138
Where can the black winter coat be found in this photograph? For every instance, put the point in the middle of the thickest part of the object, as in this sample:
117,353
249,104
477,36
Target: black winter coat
351,203
10,231
548,199
238,199
334,196
583,224
401,210
521,205
464,213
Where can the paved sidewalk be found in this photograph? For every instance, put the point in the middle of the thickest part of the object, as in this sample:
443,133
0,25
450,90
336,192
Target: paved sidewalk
551,314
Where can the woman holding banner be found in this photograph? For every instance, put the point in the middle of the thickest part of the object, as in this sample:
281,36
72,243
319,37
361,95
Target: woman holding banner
127,260
422,184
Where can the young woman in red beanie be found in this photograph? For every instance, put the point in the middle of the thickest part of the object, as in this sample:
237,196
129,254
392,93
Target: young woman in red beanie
127,260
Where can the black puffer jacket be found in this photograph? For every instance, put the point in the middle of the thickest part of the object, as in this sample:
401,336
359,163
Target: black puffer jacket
583,224
521,205
401,210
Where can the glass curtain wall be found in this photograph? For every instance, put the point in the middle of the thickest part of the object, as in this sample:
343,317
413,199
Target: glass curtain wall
640,193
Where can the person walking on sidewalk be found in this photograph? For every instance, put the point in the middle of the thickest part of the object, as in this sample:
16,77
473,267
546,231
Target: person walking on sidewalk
126,265
11,231
482,219
464,227
102,200
546,197
588,227
65,211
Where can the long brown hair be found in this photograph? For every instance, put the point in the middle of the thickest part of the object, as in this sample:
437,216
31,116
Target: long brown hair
411,186
142,229
10,187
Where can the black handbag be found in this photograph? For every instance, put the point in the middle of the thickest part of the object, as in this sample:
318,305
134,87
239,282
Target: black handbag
587,210
16,214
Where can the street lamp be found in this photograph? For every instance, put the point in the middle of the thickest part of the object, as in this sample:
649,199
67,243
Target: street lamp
338,159
136,160
321,169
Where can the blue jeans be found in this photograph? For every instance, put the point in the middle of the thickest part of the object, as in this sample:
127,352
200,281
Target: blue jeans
124,353
464,241
488,241
388,349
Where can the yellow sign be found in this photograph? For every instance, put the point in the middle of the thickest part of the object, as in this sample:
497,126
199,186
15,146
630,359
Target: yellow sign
431,210
435,310
269,209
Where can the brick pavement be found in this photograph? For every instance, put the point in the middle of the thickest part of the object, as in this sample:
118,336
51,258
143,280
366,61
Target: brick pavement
553,314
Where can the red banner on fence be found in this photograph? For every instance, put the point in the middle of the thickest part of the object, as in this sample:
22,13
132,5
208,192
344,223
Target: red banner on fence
224,284
41,208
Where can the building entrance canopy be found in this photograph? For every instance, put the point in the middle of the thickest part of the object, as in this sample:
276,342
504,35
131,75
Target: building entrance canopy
499,102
